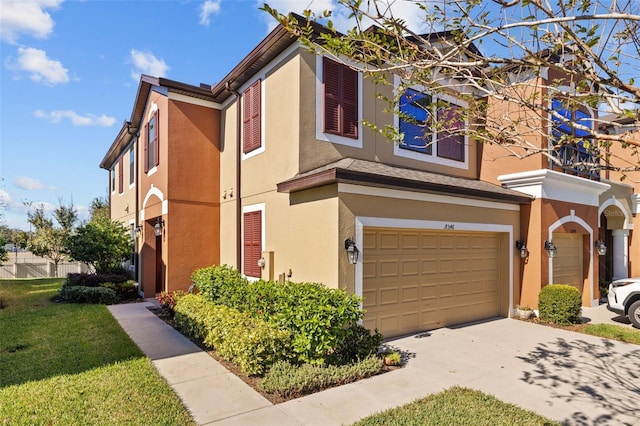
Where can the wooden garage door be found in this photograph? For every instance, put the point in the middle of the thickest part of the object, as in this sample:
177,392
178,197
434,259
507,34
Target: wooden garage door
416,280
567,265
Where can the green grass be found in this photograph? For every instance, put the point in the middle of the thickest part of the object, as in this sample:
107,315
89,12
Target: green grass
456,406
73,364
614,332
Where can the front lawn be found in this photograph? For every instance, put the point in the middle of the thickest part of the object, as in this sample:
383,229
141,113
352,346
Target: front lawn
456,406
73,364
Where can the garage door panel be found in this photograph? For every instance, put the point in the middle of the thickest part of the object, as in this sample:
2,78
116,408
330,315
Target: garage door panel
418,280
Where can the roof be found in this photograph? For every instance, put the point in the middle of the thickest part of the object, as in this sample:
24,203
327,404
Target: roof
131,127
369,173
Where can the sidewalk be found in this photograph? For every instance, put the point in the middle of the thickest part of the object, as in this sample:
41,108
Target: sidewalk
569,377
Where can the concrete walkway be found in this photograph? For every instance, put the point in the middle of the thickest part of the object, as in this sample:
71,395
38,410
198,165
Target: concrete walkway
570,377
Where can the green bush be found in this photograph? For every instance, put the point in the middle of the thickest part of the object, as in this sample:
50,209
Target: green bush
81,294
288,380
250,343
320,319
218,282
560,304
93,280
356,344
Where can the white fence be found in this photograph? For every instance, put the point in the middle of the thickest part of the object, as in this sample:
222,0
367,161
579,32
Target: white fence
26,265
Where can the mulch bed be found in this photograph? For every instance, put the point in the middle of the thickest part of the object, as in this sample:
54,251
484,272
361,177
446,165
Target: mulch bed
252,381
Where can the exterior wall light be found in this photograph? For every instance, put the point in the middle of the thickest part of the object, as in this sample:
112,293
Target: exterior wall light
157,228
137,231
521,246
550,248
601,247
352,251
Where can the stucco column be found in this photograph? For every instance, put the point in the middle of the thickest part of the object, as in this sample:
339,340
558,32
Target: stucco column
620,253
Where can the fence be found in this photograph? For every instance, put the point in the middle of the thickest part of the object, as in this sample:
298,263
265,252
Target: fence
26,265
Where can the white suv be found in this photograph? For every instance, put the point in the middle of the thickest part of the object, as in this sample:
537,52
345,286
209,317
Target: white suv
624,299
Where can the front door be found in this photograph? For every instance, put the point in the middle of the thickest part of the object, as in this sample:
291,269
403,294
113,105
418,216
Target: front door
159,266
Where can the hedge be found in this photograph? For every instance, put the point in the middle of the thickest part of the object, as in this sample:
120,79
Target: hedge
81,294
250,343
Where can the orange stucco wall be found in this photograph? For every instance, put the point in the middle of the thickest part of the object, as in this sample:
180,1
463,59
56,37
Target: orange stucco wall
536,224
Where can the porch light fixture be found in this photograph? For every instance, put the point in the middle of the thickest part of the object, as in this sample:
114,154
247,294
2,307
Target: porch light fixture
550,248
352,251
158,227
601,247
137,231
521,246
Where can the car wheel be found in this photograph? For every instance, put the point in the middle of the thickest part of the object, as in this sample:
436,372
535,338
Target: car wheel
634,314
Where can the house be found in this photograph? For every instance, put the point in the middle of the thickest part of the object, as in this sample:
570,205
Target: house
271,171
164,168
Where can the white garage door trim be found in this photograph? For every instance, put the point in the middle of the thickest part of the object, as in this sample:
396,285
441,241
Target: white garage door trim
362,221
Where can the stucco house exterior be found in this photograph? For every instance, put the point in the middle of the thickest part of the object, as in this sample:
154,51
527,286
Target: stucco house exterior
285,183
164,182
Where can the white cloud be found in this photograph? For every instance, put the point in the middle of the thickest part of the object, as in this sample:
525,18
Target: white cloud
75,118
27,17
41,68
147,63
208,8
5,198
403,9
30,184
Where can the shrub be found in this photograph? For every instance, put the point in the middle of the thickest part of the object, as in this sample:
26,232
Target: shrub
168,299
250,343
93,280
320,319
357,344
81,294
560,304
216,282
287,380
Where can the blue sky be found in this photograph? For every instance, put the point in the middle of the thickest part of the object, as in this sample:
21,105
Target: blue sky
70,72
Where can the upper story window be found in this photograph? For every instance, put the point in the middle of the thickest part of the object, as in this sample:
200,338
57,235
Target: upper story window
251,117
152,142
121,175
112,172
432,128
571,137
338,103
132,165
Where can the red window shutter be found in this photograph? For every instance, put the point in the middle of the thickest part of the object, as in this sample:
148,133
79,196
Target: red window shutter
340,84
156,134
121,175
332,98
146,147
251,118
349,102
252,243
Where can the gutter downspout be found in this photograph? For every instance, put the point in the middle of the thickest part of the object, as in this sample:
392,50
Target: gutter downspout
238,177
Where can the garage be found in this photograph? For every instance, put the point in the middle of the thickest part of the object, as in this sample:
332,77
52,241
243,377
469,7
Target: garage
415,280
567,265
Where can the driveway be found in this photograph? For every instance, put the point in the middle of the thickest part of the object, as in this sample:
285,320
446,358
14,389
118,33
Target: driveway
569,377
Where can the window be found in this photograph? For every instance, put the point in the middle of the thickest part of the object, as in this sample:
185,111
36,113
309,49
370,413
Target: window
112,172
132,165
417,118
251,117
151,143
340,97
121,175
252,243
571,150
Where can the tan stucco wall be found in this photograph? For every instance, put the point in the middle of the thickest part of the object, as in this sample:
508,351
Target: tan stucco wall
315,153
123,205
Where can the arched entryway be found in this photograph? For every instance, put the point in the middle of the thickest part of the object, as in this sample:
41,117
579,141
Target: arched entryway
614,231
